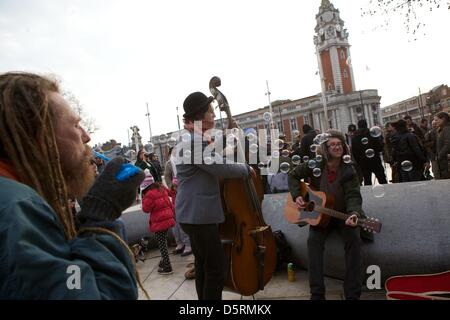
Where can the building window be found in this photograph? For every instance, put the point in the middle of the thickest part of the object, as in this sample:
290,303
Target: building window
293,124
345,74
306,120
342,54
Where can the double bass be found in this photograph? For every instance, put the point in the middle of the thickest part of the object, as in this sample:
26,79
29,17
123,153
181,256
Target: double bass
248,241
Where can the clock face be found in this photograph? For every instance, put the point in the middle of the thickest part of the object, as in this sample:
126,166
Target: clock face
327,16
338,28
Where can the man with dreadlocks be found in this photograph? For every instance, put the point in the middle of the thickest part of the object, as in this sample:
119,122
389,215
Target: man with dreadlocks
44,160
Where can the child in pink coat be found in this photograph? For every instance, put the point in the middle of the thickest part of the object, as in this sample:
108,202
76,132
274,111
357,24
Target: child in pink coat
156,202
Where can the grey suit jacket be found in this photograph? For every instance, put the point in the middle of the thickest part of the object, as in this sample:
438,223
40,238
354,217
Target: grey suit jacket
198,195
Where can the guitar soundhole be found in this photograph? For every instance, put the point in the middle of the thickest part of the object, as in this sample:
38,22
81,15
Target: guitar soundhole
310,206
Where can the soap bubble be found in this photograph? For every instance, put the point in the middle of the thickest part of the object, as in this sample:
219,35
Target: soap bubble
375,132
253,148
378,191
407,165
277,144
267,116
319,158
251,137
296,160
347,159
149,147
295,133
208,160
364,141
370,153
187,154
231,140
172,142
276,154
285,153
261,165
186,137
285,167
317,172
305,159
313,148
312,164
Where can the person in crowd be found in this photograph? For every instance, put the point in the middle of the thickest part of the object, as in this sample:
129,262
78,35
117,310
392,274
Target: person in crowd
157,203
198,204
368,162
45,161
153,159
307,140
143,163
351,130
443,144
414,128
338,179
430,147
388,151
409,156
424,126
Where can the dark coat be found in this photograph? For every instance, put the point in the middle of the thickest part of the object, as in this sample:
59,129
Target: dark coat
406,146
359,149
442,151
146,165
36,260
305,144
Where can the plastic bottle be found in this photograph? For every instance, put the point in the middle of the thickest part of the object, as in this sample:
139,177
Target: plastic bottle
291,272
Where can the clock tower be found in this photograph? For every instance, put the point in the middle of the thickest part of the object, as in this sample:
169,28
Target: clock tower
333,51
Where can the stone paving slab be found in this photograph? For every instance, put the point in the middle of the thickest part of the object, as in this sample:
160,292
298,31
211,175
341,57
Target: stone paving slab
177,287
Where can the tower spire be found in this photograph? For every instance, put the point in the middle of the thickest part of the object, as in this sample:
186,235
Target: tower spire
325,3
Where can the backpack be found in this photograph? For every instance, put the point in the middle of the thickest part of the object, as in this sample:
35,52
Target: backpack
283,250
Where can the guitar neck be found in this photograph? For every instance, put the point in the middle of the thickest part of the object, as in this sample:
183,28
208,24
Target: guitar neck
332,213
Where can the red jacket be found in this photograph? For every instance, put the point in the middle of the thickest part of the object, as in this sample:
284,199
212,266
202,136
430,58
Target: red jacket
161,209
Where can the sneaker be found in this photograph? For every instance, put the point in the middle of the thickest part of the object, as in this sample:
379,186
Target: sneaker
165,271
186,252
178,250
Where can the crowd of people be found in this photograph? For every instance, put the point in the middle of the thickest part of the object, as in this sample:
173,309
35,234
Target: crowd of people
46,166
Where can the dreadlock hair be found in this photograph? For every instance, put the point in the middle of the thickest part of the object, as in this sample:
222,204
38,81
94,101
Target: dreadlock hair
27,140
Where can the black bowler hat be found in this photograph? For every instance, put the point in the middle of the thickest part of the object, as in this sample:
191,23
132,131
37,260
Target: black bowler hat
195,103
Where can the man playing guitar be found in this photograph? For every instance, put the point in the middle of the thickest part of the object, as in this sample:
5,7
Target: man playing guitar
339,180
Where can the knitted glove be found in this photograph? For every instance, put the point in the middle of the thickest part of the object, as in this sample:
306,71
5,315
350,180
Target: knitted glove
108,197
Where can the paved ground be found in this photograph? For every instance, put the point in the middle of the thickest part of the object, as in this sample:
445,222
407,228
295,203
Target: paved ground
177,287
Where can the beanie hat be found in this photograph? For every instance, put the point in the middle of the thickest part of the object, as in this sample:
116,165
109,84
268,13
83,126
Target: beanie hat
147,181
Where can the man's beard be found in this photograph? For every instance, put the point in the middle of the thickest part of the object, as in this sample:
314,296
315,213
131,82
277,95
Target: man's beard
79,175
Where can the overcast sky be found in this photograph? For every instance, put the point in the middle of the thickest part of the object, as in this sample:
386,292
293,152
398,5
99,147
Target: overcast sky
116,55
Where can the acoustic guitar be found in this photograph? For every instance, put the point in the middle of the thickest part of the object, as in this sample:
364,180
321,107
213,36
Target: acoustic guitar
319,210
